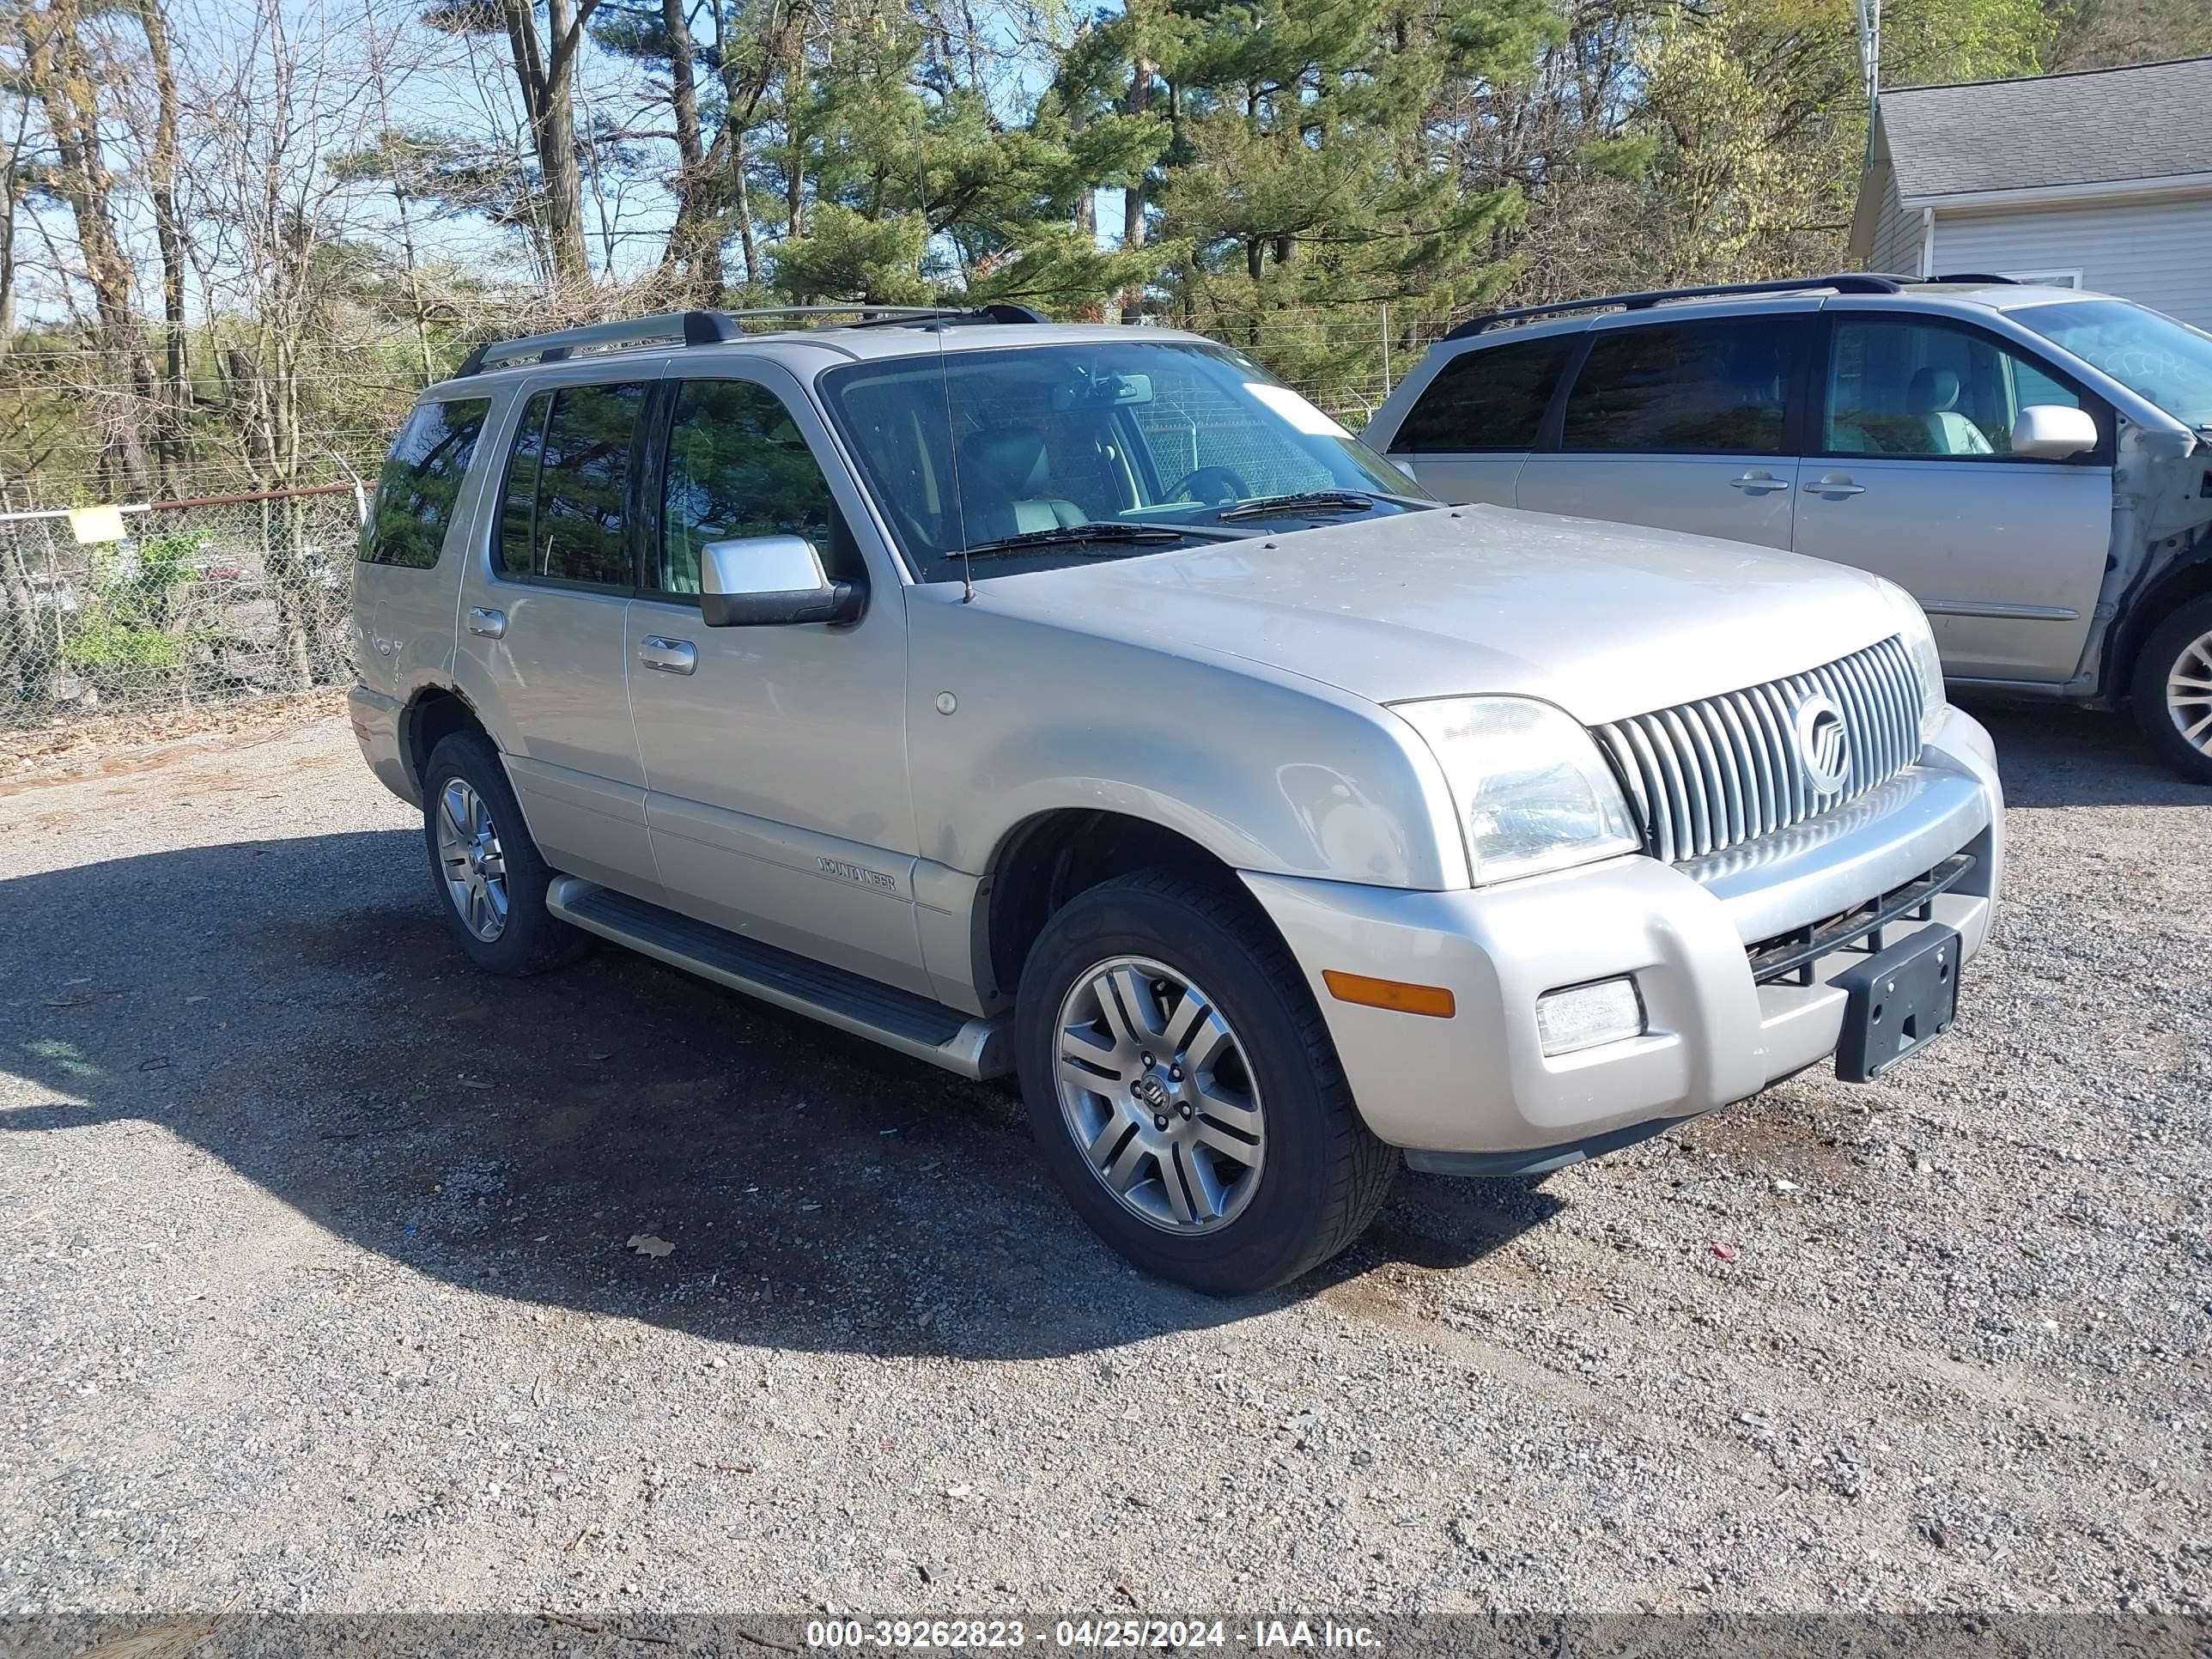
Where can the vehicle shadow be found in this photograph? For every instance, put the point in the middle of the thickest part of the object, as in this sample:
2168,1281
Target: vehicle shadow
295,1008
2055,755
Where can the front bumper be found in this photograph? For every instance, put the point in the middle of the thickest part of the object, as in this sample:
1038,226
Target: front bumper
1475,1093
375,718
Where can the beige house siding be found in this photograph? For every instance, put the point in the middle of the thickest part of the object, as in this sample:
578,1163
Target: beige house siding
1896,235
2158,252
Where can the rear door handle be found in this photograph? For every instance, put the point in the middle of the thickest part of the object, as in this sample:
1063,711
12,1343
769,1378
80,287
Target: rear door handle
1836,484
667,656
492,624
1757,483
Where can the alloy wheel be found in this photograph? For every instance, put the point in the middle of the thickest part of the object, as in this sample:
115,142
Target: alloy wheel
1156,1089
2189,693
470,859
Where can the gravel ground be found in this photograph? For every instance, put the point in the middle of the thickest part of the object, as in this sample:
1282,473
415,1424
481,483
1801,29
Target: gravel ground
316,1292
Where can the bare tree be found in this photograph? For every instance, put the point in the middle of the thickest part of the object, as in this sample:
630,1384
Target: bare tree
59,75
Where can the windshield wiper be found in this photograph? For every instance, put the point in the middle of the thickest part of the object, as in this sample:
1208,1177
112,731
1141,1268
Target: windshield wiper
1309,501
1074,535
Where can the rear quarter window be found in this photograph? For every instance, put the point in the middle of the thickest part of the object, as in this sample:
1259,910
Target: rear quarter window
1492,399
421,481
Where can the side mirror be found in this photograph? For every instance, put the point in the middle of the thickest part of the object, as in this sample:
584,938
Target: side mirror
2053,432
756,580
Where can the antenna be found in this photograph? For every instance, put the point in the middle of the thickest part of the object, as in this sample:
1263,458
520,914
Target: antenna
952,451
1869,15
944,375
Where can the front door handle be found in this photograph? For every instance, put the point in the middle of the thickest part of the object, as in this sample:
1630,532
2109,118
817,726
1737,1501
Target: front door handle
667,656
492,624
1835,483
1757,483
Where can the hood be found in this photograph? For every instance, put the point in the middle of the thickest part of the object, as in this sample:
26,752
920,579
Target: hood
1604,619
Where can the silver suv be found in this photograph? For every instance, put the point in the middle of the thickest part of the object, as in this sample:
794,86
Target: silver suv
2033,465
1084,703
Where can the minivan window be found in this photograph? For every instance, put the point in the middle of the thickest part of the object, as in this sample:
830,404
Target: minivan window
1491,399
1897,386
737,465
568,480
1702,388
420,481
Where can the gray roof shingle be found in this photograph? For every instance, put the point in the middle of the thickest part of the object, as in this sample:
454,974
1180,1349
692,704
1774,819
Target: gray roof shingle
2100,126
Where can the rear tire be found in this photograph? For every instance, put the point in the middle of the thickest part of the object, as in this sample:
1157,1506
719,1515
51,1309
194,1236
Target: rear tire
1235,1160
486,871
2173,690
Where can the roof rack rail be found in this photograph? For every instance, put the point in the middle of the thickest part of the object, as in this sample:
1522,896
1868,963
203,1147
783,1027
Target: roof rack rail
694,328
1849,282
1973,276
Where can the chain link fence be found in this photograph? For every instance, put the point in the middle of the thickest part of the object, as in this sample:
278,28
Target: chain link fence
203,602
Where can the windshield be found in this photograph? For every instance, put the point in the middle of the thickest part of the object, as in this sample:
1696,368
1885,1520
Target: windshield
1166,440
2168,362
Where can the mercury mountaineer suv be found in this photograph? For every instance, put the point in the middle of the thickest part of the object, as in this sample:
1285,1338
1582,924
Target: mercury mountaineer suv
1083,703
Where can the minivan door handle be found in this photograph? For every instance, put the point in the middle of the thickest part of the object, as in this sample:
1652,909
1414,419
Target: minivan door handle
1758,482
1835,483
492,624
667,656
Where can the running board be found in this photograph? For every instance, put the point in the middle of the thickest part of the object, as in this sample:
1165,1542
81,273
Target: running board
973,1047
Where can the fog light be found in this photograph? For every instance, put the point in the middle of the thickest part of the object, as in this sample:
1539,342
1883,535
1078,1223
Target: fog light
1583,1015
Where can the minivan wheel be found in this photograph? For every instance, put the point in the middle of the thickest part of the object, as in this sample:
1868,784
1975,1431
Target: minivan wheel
489,879
1183,1091
2172,690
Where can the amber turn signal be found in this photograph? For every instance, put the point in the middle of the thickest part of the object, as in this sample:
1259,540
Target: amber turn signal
1396,994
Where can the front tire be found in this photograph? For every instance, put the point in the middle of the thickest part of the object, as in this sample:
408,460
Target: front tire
2173,690
1183,1091
489,878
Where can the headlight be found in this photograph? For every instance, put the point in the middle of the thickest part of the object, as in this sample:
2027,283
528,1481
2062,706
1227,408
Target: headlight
1532,791
1927,662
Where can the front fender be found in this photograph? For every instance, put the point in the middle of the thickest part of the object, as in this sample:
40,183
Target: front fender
1267,770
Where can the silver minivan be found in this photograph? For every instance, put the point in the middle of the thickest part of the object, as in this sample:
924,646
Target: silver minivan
2033,465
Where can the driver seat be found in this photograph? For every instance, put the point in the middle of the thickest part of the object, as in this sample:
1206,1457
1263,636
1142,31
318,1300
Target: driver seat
1002,485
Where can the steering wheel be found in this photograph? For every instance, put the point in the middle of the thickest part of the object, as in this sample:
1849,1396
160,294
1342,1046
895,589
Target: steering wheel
1221,484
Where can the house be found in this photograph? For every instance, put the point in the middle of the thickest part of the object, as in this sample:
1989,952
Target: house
2101,179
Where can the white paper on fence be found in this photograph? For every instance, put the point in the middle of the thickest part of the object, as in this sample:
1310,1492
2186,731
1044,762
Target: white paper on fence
1296,409
97,524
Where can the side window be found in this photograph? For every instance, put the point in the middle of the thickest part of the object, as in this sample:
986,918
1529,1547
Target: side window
420,481
737,465
1491,399
518,503
1895,387
567,479
1702,388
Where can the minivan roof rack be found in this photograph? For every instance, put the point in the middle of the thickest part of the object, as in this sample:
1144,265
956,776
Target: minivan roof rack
1848,281
695,328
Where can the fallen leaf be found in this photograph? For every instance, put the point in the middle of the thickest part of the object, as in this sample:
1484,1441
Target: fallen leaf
646,1244
600,1054
1724,1252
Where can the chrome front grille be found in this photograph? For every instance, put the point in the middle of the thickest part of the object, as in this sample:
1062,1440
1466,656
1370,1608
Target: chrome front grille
1705,775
